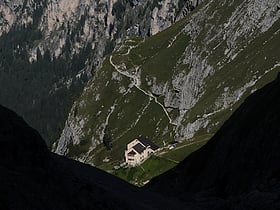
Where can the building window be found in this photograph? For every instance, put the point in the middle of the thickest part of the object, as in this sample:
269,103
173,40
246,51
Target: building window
131,159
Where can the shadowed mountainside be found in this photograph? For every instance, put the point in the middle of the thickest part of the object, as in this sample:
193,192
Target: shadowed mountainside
240,163
237,169
31,177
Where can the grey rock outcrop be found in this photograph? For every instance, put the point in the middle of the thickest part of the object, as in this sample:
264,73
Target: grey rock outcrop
199,71
74,34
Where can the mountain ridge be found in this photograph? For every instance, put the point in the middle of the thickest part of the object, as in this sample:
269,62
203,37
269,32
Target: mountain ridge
182,83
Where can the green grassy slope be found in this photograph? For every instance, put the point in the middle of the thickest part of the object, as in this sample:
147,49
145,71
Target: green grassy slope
182,84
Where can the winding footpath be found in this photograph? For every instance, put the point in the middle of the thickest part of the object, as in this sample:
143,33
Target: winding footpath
137,83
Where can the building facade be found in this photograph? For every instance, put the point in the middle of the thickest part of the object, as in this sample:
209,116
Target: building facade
139,150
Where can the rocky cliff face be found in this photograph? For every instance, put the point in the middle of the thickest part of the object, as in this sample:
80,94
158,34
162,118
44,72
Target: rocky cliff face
51,48
239,165
94,22
183,82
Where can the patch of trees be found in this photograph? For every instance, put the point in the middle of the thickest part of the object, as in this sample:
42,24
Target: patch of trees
119,9
43,91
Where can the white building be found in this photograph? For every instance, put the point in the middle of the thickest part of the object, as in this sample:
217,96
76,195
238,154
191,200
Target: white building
139,150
